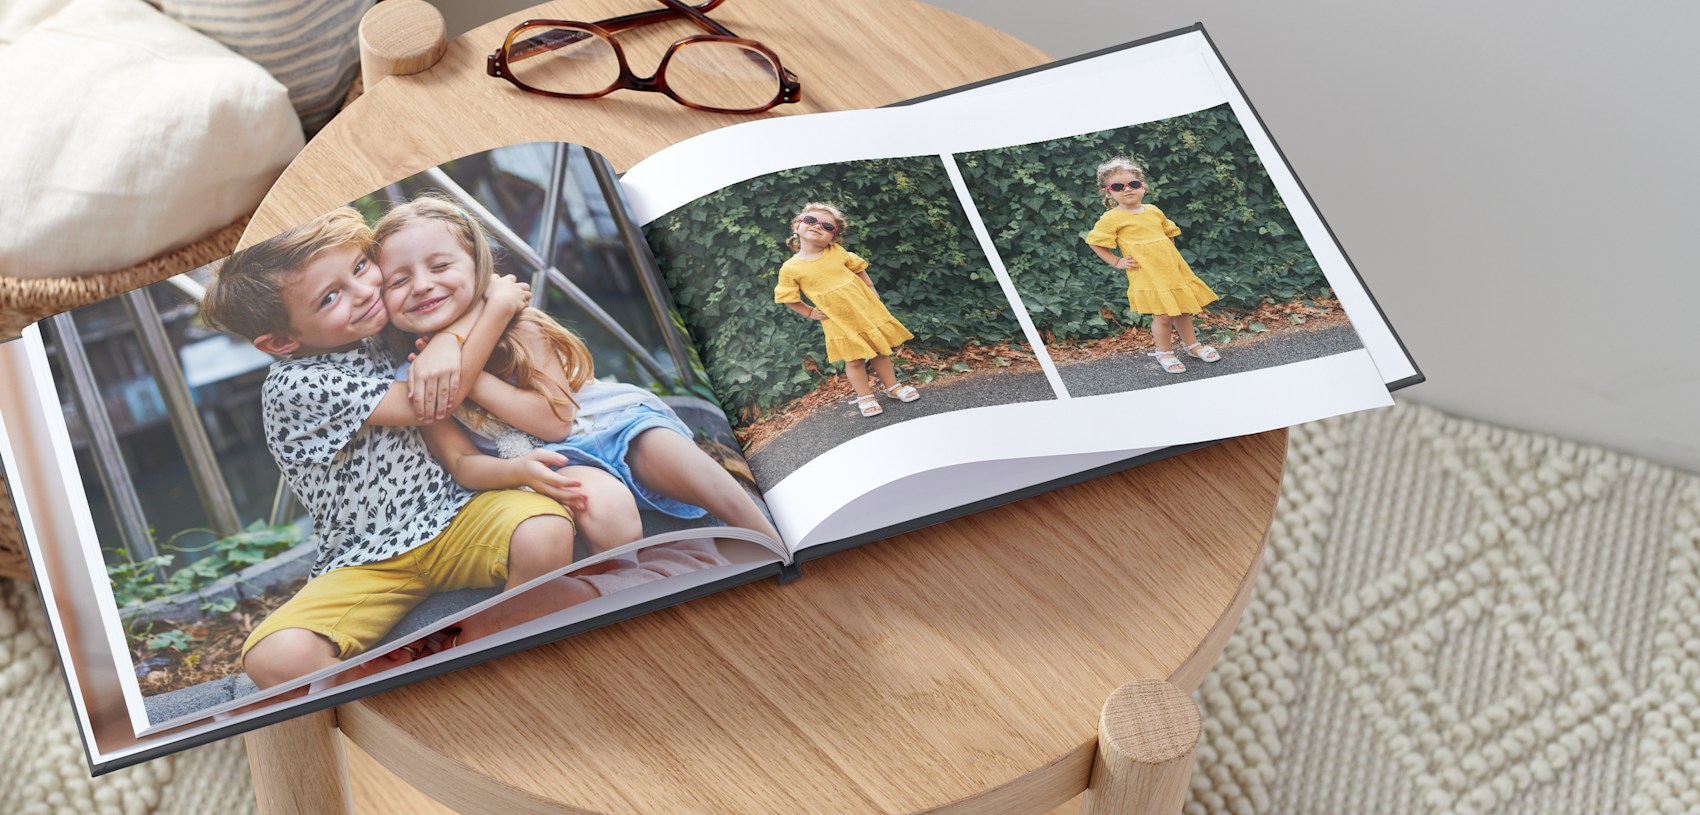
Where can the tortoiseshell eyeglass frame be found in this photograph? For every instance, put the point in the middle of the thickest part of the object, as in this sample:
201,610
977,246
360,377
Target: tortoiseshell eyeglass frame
497,64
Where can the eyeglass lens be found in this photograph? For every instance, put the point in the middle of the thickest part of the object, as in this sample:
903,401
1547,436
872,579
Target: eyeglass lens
722,75
710,73
564,60
826,225
1131,185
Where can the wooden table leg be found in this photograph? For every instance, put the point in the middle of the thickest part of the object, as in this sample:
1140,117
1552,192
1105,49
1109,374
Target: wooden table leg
1146,739
299,767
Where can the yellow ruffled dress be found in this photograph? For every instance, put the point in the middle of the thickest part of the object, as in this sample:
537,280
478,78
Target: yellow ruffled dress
1163,283
857,324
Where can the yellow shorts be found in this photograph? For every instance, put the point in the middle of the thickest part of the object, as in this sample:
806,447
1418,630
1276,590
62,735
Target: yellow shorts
356,606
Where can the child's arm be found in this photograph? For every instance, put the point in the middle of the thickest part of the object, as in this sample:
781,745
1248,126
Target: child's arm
806,310
525,409
1110,257
445,371
473,470
790,294
439,372
868,280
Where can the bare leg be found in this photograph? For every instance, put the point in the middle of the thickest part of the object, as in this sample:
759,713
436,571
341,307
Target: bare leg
857,371
1183,326
540,545
610,517
1162,330
288,654
886,371
675,467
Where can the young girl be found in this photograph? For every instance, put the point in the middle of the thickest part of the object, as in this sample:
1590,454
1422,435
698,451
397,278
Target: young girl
1159,282
541,401
857,325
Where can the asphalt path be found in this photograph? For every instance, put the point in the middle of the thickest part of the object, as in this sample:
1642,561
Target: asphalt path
829,427
1120,373
826,428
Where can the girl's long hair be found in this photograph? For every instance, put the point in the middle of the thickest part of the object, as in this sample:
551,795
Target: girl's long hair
512,360
837,217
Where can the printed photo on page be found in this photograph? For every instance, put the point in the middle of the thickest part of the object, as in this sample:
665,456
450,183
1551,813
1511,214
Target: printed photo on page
363,431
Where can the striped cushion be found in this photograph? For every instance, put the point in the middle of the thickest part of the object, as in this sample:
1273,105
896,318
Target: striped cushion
311,46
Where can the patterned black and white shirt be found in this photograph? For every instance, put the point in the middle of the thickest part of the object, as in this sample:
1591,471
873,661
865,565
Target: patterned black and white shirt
374,492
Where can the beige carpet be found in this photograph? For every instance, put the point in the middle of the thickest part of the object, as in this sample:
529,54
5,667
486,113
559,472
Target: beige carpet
1452,618
1457,618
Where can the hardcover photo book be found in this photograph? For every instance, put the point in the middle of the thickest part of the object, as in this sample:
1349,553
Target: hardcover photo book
519,395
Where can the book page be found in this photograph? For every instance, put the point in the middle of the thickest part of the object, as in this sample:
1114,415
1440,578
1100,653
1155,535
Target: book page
973,256
240,457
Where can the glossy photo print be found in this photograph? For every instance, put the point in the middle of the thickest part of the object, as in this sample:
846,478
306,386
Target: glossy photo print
1155,254
837,299
457,405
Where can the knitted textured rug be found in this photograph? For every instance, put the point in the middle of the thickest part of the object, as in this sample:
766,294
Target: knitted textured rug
1458,618
1451,618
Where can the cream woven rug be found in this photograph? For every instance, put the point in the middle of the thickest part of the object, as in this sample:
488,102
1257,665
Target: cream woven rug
1451,618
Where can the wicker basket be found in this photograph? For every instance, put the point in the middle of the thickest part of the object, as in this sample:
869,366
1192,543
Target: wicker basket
26,300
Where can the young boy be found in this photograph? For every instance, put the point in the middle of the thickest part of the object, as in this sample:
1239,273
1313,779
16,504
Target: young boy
393,526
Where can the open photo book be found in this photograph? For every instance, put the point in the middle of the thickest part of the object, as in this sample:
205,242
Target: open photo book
519,396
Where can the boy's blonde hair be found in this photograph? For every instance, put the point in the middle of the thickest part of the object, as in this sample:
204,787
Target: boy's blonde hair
512,360
821,206
245,296
1117,164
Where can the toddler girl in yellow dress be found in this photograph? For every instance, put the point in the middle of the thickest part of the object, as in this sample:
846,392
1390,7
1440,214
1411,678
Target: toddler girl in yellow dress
1159,282
857,325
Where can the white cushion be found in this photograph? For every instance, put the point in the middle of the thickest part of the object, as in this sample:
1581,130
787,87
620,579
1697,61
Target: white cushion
126,134
309,45
19,16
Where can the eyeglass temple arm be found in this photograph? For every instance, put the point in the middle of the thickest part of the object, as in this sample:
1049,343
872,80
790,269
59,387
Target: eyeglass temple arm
675,8
696,15
551,40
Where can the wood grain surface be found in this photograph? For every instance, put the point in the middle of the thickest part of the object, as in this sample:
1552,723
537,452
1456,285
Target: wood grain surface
965,664
960,668
848,55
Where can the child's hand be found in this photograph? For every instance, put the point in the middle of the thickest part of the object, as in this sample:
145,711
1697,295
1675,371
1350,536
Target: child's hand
1125,263
538,471
816,314
435,377
508,294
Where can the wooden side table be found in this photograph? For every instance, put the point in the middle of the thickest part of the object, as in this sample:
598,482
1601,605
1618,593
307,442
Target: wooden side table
960,668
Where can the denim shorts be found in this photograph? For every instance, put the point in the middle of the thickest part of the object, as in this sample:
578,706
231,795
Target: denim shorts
606,446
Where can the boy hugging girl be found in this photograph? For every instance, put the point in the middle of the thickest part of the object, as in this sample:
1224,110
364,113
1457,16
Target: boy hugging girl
394,525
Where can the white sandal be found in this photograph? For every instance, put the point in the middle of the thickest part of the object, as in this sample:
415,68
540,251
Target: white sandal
903,393
869,405
1208,353
1169,361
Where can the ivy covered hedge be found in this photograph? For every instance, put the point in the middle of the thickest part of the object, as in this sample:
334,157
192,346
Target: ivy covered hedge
721,256
1039,201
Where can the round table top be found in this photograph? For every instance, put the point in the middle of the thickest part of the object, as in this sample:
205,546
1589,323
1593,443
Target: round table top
960,667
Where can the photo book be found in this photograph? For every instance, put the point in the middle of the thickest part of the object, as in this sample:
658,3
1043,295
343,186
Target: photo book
518,396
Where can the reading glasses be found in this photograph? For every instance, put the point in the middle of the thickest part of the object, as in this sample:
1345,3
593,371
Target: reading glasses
718,72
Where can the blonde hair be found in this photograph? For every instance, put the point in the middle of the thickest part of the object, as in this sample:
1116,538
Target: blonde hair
512,360
245,296
818,206
1117,164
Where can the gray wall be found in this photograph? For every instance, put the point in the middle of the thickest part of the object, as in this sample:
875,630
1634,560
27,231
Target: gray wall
1511,179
